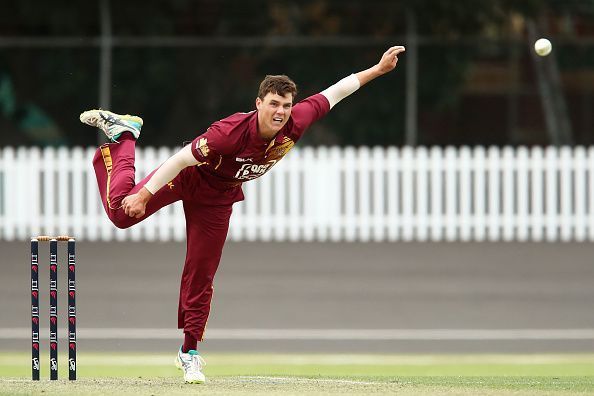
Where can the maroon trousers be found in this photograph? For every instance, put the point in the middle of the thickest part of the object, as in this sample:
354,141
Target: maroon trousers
206,223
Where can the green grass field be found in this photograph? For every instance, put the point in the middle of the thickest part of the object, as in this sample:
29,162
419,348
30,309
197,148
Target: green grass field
243,374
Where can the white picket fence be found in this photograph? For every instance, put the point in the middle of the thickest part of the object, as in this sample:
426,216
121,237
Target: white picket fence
330,194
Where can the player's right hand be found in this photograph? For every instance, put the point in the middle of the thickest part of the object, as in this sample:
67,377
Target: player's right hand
390,59
134,205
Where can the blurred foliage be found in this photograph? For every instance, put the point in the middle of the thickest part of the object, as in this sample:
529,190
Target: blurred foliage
181,90
269,18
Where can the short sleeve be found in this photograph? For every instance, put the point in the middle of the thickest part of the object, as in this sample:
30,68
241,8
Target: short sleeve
308,111
208,147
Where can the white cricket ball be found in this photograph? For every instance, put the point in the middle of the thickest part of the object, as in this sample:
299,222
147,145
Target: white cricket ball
543,47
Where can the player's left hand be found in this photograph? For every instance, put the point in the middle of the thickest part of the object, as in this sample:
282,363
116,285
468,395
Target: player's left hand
389,59
134,205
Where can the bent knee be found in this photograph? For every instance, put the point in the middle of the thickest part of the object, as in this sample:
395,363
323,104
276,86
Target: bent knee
121,220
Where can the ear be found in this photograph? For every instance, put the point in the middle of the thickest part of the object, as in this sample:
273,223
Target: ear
258,103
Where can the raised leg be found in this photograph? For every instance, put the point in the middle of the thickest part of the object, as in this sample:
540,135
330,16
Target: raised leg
114,169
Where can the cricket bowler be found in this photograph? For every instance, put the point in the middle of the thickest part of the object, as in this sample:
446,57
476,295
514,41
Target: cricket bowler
207,176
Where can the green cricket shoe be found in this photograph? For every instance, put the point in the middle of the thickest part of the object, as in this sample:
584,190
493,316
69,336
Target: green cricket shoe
112,124
191,364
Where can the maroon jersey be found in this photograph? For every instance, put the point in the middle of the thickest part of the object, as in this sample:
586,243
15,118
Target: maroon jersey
231,150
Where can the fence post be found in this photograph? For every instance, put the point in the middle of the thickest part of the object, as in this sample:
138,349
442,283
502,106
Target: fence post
509,189
465,193
493,169
551,201
295,195
580,181
523,198
408,191
565,175
480,188
335,195
591,193
309,194
451,196
437,196
422,195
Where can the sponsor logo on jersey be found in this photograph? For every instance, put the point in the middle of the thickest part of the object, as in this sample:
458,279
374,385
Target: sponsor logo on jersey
252,171
244,159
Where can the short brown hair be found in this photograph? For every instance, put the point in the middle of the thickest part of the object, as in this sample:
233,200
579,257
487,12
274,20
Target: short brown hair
277,84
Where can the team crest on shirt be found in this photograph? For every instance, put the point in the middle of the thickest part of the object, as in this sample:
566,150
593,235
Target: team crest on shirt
277,152
203,147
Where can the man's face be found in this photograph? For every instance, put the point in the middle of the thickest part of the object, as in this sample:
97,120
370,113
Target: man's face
273,112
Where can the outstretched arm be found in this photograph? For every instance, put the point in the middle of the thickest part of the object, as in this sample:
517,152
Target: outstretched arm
350,84
135,205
